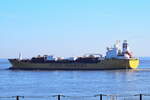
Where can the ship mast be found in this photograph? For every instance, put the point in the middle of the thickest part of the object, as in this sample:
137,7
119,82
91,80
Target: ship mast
20,56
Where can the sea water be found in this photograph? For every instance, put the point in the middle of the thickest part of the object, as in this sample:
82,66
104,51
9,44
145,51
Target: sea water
74,83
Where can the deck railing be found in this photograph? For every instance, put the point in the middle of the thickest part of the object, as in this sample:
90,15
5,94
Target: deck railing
94,97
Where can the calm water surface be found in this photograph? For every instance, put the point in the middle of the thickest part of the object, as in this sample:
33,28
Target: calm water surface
45,83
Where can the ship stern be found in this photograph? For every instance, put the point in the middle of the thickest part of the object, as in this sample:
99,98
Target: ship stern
133,63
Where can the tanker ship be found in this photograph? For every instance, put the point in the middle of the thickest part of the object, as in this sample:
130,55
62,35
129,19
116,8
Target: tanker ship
115,58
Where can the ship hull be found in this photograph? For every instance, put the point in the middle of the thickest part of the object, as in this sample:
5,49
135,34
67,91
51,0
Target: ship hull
106,64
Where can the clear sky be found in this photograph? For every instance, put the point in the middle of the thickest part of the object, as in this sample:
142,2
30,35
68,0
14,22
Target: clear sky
72,27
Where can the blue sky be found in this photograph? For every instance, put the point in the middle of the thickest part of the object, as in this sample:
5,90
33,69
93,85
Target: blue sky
72,27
